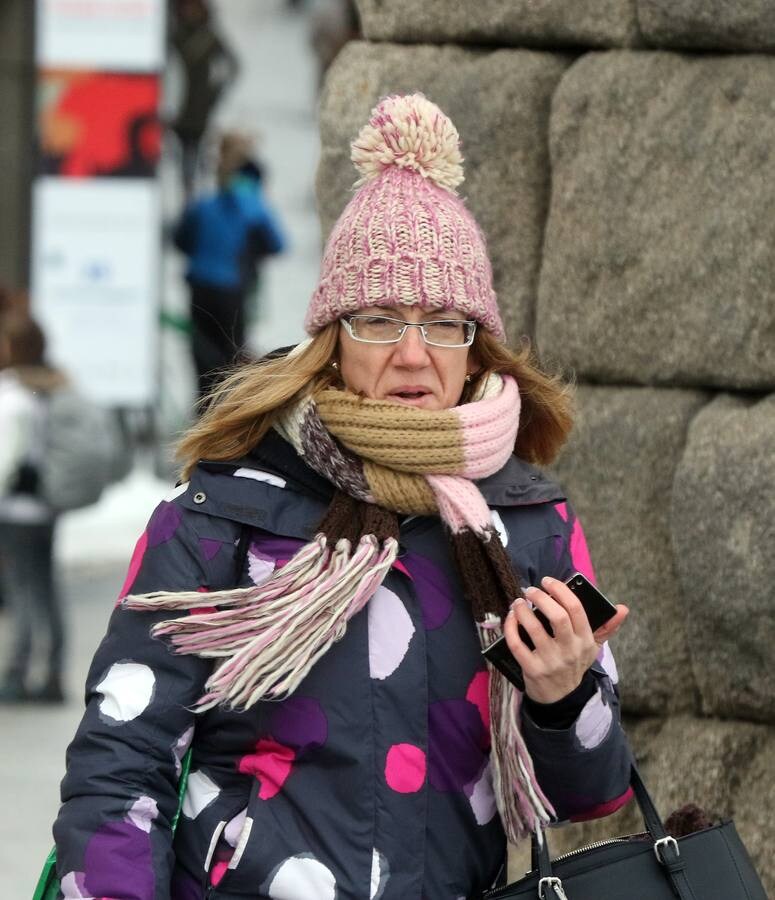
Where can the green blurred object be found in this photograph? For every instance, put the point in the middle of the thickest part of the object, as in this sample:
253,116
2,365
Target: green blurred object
176,321
48,883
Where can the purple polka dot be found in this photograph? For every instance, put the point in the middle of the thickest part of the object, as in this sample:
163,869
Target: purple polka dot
299,722
117,856
455,740
433,589
209,547
269,547
255,550
164,523
559,547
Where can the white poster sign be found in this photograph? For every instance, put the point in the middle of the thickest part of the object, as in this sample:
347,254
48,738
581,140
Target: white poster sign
113,35
95,277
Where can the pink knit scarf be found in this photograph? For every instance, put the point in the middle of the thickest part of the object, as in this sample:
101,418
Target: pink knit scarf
384,460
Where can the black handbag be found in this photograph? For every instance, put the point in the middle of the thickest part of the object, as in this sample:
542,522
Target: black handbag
711,864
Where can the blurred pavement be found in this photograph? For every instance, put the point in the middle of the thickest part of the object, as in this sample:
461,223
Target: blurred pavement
275,97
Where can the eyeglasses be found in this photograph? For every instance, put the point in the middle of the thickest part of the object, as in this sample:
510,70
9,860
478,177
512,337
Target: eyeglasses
385,330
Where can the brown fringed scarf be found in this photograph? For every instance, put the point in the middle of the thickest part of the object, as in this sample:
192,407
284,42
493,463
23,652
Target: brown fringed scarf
384,460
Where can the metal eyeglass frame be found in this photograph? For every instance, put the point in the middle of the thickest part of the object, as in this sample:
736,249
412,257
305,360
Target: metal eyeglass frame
470,328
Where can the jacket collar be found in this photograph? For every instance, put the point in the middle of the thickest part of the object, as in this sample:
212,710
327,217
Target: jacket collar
257,503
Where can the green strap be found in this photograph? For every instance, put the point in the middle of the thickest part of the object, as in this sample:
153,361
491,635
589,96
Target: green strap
182,785
48,883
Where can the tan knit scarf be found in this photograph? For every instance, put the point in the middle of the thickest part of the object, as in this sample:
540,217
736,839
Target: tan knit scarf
384,459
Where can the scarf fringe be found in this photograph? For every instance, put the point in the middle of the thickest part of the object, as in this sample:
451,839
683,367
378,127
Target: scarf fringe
272,635
522,805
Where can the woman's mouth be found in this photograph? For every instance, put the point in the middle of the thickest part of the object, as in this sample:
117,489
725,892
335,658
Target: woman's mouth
411,394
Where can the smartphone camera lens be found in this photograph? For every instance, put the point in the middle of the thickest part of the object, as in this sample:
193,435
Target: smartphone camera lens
578,581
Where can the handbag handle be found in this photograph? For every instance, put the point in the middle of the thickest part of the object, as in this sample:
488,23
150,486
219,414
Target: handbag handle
666,850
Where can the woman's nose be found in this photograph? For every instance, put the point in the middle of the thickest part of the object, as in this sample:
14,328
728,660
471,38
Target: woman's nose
412,350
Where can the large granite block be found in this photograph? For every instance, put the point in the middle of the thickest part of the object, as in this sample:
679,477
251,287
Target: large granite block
499,102
592,23
658,264
708,24
726,768
723,526
618,471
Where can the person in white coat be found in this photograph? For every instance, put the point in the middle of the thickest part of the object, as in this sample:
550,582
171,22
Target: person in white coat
27,522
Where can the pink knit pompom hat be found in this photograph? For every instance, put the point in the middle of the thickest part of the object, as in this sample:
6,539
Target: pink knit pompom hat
406,238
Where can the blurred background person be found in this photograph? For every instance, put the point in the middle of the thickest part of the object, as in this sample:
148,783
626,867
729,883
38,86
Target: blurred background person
226,235
209,68
27,521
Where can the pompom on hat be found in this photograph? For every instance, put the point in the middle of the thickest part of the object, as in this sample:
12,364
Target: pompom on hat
406,238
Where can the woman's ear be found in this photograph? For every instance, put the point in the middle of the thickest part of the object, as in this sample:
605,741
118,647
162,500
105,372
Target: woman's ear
473,365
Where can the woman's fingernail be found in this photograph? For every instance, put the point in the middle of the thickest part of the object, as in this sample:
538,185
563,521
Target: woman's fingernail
529,590
516,603
547,580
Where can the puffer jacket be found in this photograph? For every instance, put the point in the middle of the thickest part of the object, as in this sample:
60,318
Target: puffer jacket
373,779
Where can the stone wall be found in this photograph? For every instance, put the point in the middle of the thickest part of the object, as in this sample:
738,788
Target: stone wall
625,183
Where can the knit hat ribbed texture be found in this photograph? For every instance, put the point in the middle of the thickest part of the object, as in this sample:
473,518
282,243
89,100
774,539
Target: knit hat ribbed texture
406,238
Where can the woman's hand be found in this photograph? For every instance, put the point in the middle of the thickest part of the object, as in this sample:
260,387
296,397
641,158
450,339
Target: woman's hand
557,665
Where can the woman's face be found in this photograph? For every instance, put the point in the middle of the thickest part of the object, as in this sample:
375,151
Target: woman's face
410,372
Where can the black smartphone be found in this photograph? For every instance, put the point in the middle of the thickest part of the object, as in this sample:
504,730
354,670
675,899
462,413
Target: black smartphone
597,606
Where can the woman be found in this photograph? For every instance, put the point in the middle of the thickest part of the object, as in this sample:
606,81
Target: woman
364,493
26,520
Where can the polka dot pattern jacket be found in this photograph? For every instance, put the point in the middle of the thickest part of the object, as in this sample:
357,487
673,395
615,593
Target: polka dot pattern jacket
371,782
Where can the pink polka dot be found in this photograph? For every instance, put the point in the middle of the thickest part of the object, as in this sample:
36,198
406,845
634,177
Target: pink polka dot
579,552
478,694
271,764
217,872
134,565
405,768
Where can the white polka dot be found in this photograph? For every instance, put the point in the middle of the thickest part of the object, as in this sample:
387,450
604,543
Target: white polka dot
302,878
126,691
594,722
69,886
180,748
482,798
380,872
201,791
258,475
260,570
607,661
143,813
232,831
177,491
242,840
499,526
390,631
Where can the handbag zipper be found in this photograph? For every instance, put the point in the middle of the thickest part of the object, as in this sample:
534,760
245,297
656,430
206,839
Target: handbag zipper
498,892
619,840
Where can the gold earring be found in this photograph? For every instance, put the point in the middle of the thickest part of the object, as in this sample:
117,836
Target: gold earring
468,379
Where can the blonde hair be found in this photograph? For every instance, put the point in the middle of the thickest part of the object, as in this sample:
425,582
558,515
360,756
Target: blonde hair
247,402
